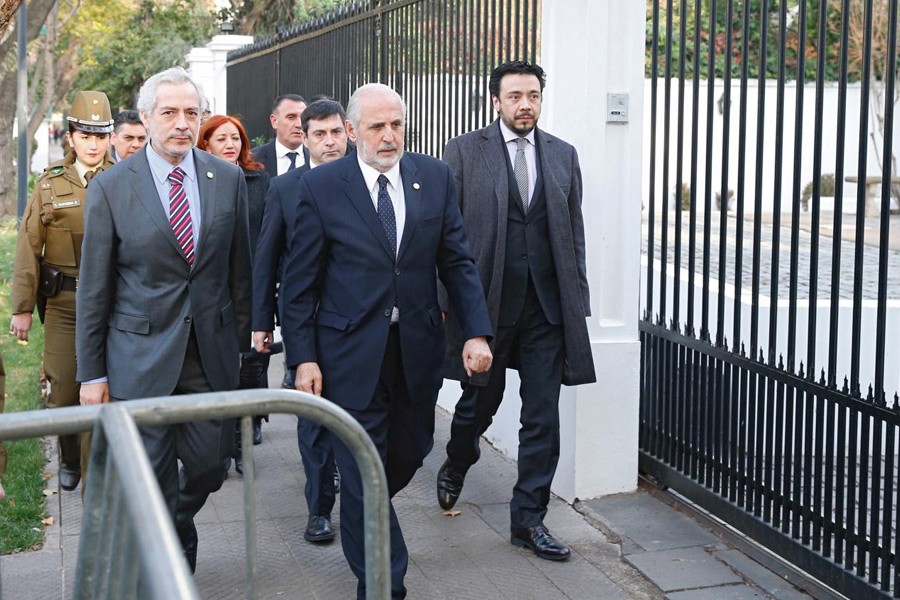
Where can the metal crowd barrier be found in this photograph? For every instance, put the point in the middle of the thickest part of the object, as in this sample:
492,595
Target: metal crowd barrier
128,545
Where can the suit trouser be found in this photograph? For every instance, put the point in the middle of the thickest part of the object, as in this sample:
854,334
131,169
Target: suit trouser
318,465
198,445
539,347
59,365
402,429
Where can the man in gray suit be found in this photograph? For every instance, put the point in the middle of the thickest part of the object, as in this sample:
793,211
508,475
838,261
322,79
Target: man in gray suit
519,190
164,293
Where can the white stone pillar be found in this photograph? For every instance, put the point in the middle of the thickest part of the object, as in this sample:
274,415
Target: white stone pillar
591,48
207,67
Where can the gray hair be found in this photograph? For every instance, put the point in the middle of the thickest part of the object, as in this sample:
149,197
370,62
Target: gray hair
175,76
353,107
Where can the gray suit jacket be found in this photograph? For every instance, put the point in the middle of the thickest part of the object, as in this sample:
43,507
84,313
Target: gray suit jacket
137,296
482,187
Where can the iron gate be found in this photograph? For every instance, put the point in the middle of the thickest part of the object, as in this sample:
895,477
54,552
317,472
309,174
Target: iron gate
770,359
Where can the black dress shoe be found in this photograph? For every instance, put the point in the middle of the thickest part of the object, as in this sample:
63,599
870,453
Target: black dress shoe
538,540
319,529
187,534
226,465
69,476
449,485
337,481
257,431
239,464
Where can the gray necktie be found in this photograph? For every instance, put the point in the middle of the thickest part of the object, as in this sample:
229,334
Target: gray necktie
520,168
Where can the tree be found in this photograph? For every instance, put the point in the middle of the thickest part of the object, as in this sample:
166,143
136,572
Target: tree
266,17
43,76
139,43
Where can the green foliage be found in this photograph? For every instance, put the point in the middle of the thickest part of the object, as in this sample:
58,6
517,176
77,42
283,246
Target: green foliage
153,36
826,188
263,18
22,510
765,16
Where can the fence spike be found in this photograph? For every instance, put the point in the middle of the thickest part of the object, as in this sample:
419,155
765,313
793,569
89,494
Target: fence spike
896,401
822,377
871,396
762,356
801,372
846,389
781,361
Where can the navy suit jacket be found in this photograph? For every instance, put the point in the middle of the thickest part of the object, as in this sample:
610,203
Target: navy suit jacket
266,155
341,279
272,248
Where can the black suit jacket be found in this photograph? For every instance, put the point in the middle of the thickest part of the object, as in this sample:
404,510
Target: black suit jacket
342,279
273,248
266,155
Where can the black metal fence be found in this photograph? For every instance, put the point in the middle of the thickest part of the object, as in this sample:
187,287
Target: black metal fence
436,53
770,362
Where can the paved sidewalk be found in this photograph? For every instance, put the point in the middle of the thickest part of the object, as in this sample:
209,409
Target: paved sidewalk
630,546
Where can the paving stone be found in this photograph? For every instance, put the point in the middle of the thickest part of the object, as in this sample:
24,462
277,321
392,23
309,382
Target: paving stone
775,586
682,569
725,592
649,523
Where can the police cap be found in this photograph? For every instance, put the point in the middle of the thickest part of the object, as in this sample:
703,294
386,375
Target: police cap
90,112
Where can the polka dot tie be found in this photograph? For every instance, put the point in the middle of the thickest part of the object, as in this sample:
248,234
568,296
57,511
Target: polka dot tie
386,213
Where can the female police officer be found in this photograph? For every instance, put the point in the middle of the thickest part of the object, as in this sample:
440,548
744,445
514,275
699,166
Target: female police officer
48,253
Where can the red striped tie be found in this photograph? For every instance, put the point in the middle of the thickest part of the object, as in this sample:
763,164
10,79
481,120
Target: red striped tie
180,214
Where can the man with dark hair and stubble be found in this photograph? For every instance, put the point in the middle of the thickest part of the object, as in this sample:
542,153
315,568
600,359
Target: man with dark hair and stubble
325,137
519,190
129,134
286,151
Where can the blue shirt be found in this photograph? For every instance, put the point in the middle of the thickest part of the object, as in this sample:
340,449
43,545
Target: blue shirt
160,169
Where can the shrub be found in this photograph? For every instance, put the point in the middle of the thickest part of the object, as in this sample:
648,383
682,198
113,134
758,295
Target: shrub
826,188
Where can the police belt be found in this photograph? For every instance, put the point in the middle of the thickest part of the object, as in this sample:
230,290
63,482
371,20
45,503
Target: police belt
69,284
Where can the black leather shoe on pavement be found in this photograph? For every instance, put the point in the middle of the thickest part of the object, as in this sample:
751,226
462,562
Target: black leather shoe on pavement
69,476
319,529
187,534
449,485
538,540
239,464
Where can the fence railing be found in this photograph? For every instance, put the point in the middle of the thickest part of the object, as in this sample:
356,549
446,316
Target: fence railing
128,542
437,54
768,380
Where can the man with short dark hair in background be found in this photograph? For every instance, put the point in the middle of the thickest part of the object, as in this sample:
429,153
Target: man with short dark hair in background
326,140
286,151
129,134
519,190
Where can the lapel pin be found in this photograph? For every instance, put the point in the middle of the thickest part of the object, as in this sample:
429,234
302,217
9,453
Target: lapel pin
416,186
209,175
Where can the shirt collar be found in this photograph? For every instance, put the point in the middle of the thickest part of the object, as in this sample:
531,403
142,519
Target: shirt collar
509,135
82,170
281,150
370,174
161,168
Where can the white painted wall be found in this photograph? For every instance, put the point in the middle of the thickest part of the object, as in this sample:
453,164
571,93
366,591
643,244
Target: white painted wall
829,139
207,67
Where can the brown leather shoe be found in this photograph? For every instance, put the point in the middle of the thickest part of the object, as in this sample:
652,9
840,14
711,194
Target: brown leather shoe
538,540
69,476
449,485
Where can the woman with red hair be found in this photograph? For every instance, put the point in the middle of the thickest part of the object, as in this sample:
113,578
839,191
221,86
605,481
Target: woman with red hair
225,137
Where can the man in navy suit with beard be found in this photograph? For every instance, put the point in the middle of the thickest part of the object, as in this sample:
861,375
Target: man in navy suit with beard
362,322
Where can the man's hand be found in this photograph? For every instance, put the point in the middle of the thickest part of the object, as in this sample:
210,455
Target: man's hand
262,340
94,393
21,325
477,356
309,378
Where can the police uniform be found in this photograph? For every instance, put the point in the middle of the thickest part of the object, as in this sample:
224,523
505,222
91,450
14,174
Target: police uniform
50,234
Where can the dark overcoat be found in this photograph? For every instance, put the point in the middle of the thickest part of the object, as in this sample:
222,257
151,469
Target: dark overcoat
479,166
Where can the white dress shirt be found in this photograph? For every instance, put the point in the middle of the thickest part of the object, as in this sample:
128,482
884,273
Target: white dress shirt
510,137
283,161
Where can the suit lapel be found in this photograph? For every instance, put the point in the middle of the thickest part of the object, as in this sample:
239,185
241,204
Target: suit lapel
361,198
412,197
492,149
145,189
549,168
208,187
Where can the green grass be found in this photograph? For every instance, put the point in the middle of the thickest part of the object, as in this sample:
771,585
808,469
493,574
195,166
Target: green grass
23,509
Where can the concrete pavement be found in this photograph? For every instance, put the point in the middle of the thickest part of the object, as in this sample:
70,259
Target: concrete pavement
628,546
